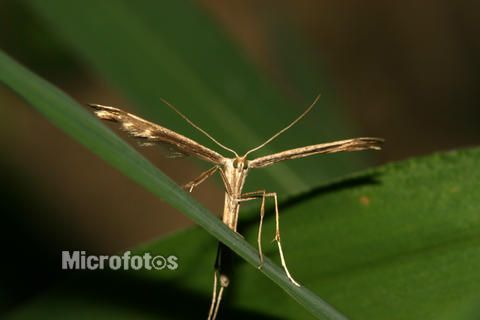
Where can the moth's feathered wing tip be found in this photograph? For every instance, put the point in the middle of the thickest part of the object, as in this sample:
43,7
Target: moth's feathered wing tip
95,107
105,112
376,143
102,107
369,143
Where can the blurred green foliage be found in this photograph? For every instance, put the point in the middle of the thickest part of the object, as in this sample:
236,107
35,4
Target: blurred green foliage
396,242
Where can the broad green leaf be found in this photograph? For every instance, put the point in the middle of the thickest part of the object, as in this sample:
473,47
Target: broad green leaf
66,114
172,49
398,242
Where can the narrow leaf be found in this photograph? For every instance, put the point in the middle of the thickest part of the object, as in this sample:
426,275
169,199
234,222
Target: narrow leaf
66,114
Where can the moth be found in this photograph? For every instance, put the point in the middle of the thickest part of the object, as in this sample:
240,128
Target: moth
232,170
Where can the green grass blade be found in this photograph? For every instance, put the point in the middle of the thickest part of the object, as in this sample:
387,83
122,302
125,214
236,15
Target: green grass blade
82,126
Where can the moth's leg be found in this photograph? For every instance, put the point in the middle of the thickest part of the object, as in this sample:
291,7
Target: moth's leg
277,237
253,196
225,181
262,193
214,295
224,281
219,273
201,178
215,305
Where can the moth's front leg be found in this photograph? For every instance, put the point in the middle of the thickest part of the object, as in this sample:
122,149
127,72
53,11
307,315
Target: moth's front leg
201,178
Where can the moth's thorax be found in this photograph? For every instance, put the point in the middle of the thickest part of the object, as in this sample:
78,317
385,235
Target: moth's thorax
236,170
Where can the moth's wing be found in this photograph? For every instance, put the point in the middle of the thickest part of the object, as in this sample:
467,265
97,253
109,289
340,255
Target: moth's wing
153,134
166,150
356,144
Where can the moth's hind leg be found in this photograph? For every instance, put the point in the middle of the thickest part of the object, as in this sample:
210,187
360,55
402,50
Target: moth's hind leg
253,196
263,195
219,274
214,295
277,238
216,299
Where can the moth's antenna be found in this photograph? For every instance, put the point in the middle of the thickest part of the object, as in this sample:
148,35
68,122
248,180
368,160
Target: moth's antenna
286,128
197,127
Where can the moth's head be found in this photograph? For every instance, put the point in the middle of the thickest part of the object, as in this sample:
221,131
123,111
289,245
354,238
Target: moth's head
240,163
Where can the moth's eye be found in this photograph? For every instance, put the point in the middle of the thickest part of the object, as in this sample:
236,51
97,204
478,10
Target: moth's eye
239,162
